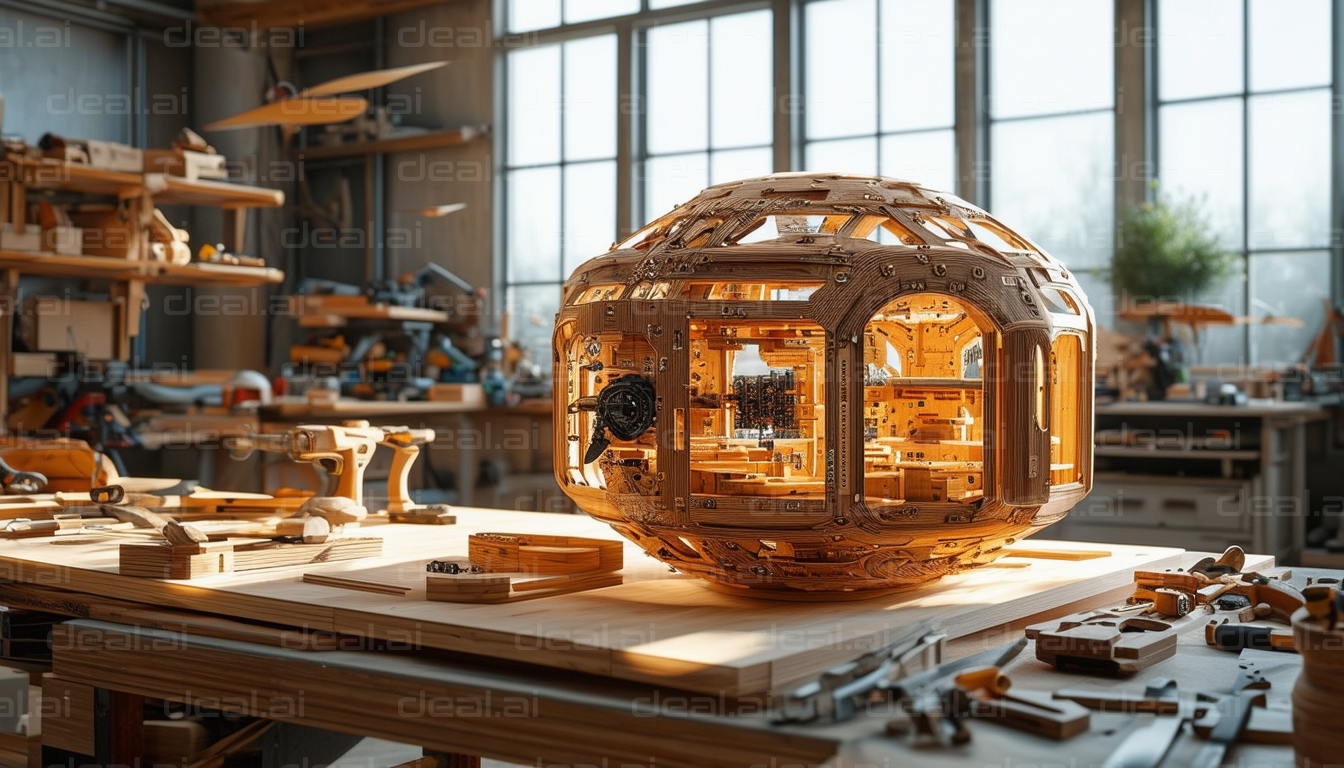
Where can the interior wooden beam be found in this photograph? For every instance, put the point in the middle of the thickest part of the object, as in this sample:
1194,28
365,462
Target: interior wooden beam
309,13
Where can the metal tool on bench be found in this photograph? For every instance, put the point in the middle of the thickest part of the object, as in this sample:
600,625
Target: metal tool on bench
1147,747
344,451
936,709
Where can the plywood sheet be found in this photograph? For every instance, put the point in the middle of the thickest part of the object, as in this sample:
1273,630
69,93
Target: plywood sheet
659,626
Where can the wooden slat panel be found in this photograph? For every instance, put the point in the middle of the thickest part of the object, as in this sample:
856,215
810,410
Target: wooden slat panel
67,715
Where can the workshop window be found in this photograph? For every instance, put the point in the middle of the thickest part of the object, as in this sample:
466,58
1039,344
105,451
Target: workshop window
1244,118
530,15
878,79
559,178
1052,128
708,106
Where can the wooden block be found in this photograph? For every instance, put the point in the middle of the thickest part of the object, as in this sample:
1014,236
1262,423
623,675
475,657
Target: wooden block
67,715
501,588
174,742
1034,712
538,554
157,561
1103,642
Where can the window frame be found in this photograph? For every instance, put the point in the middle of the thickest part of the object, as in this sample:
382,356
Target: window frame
1244,248
1135,134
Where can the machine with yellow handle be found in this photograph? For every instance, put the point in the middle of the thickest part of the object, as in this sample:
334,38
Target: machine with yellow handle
344,451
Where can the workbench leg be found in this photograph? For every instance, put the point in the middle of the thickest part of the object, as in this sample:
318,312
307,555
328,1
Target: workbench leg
9,296
467,471
118,727
453,759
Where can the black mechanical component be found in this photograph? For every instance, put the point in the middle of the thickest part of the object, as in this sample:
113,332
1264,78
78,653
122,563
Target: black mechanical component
625,409
767,403
451,568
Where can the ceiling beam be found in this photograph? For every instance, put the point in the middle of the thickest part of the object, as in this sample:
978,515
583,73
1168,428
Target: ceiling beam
308,13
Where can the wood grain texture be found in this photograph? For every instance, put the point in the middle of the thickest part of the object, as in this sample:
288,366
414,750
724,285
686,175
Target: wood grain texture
658,626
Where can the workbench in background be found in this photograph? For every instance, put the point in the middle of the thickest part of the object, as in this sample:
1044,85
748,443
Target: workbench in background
1206,476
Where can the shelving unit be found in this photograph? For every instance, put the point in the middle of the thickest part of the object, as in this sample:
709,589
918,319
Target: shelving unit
139,194
1206,474
417,142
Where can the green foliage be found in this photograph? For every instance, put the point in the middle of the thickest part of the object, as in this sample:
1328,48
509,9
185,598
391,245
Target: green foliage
1168,249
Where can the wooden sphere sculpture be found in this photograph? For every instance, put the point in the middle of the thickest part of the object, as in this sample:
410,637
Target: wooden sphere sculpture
824,386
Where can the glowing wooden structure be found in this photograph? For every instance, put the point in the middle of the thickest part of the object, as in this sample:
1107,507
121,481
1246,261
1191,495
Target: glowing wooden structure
813,385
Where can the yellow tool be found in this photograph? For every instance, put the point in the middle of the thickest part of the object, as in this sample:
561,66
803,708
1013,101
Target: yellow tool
344,452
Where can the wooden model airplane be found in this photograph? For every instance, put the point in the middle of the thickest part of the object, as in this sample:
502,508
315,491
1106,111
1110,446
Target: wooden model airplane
321,104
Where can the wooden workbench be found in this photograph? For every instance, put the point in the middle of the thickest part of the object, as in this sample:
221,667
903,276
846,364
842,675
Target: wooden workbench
659,626
660,670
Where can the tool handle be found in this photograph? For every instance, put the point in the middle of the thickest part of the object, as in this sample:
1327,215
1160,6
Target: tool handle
107,494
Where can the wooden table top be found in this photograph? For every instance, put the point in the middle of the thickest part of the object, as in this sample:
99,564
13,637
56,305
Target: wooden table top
659,626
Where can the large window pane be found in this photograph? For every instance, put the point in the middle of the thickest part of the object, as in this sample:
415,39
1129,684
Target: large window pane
1200,158
928,157
741,84
527,15
1289,181
1290,43
676,104
590,211
534,224
534,105
1222,344
1201,48
587,10
841,63
858,156
1051,56
672,180
1292,285
734,164
1053,182
531,310
918,39
590,98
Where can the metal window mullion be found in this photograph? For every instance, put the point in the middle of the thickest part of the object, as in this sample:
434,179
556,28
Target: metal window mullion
1247,289
983,121
877,82
564,171
625,128
1337,151
709,100
783,55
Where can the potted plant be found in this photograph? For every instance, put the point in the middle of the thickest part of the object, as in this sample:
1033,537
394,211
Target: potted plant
1166,255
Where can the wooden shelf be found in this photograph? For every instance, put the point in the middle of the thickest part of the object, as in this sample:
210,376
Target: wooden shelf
151,272
72,177
1133,451
175,190
165,189
413,143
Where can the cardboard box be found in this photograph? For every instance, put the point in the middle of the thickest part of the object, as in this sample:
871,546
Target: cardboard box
30,240
54,324
66,241
107,233
112,156
186,163
41,364
471,395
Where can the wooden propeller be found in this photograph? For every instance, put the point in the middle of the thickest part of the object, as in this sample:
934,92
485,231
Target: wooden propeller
320,105
437,211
